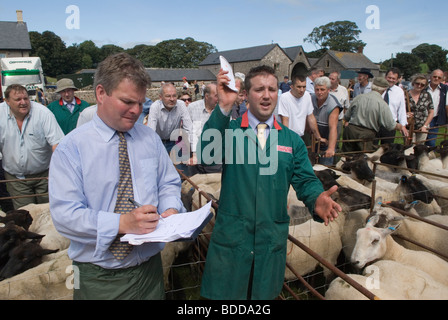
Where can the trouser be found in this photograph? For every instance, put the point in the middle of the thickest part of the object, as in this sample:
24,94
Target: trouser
143,282
353,132
431,133
384,133
5,205
31,188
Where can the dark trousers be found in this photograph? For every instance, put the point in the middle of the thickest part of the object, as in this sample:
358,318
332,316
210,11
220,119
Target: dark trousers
353,132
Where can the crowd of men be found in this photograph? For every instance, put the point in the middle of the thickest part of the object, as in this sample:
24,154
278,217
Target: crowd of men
74,145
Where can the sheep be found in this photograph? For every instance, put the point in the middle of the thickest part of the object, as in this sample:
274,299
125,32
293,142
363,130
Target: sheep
22,218
430,165
439,188
24,256
11,236
376,243
443,150
389,280
43,224
422,232
50,280
324,240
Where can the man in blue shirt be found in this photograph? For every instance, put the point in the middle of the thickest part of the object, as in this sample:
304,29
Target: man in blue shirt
84,178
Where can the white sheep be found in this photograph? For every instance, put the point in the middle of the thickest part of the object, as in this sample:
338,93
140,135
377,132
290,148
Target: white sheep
389,280
429,235
430,165
376,243
324,240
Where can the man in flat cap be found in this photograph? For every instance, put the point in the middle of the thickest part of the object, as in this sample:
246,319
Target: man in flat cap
363,85
367,114
68,108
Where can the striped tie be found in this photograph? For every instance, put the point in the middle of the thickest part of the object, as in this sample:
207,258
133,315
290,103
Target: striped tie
125,191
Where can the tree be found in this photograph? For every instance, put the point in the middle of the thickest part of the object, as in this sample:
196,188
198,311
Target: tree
339,36
408,63
433,55
176,53
51,50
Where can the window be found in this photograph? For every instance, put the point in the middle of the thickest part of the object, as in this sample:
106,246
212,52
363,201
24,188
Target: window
327,63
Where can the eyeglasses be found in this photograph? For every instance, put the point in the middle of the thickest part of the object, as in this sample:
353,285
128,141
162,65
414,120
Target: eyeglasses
420,84
437,77
185,100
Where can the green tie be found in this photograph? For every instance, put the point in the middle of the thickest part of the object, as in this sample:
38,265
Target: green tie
125,191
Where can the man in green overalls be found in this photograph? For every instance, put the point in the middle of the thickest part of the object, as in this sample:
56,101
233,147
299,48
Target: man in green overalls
247,253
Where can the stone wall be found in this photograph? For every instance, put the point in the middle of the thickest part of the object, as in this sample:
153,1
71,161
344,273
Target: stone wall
89,95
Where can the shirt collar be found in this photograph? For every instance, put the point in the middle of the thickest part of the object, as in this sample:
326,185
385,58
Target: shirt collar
248,119
106,132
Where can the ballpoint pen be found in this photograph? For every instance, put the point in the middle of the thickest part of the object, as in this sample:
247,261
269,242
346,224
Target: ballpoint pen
138,205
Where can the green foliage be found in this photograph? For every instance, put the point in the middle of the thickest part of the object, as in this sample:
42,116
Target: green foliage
433,55
339,36
57,59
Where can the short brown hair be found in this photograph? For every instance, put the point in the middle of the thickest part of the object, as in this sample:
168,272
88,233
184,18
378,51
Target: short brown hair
257,71
118,67
16,88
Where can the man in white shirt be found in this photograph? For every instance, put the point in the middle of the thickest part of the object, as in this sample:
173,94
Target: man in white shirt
341,93
313,75
394,97
296,108
167,117
200,112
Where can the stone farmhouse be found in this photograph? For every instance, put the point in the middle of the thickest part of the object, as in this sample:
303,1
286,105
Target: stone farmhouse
284,61
14,38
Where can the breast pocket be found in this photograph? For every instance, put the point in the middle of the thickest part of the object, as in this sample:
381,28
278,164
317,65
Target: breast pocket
150,169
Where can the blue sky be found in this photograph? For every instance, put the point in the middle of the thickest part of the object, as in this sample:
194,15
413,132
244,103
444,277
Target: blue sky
233,24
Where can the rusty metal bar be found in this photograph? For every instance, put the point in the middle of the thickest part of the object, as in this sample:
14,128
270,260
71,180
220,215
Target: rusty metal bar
409,169
422,246
306,284
27,196
417,217
24,180
285,286
335,270
205,195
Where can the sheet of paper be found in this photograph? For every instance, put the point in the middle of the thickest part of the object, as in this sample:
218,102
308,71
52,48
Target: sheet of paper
225,65
175,227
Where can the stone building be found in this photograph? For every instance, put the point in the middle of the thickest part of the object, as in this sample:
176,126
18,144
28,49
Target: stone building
346,62
14,38
242,60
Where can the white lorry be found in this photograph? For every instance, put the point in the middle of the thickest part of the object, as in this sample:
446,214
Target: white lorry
24,71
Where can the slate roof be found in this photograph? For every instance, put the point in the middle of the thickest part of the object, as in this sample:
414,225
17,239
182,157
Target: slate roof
292,52
172,75
350,60
239,55
14,36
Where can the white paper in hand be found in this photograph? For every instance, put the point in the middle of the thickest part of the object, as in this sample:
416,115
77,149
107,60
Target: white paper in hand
175,227
225,65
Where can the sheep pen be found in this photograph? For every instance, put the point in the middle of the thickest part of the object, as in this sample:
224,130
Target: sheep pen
183,265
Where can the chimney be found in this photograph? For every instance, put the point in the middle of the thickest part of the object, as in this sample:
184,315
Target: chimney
19,16
361,49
